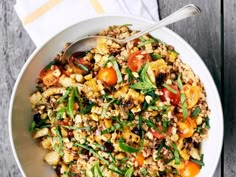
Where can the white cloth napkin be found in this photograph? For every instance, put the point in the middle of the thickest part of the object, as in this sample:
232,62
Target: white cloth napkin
43,19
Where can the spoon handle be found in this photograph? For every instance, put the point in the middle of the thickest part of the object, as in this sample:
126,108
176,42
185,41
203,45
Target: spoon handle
185,12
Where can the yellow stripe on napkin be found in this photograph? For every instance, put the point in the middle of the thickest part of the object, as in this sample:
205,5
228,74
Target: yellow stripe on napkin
40,11
97,6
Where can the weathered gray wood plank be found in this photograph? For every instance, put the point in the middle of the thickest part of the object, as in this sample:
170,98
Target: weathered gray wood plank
202,33
229,88
15,47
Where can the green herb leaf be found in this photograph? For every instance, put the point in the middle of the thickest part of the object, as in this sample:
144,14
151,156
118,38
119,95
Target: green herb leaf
115,169
160,147
32,126
116,67
125,147
140,119
71,101
60,113
39,88
199,162
104,110
199,129
65,96
170,160
99,146
98,170
145,83
155,56
196,111
179,82
59,136
130,116
176,154
151,124
112,158
128,24
144,171
116,126
92,151
170,88
160,108
208,123
146,42
130,74
49,65
184,105
129,172
76,128
165,124
82,67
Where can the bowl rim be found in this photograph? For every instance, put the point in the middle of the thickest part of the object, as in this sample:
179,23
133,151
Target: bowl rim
30,58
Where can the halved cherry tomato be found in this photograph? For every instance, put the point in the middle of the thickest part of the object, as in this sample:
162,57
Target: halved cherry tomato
174,98
80,66
51,75
108,76
190,169
136,60
158,135
192,94
187,127
140,159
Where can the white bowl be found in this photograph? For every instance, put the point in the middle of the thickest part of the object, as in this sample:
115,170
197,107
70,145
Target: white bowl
29,156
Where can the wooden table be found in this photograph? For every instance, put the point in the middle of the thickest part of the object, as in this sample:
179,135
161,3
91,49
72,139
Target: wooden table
212,35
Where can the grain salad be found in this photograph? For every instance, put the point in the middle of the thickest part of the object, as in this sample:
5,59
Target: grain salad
130,110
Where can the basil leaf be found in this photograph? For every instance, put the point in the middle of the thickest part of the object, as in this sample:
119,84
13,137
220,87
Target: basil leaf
129,172
116,126
130,75
179,82
116,67
145,42
115,169
49,65
196,111
92,151
199,162
98,170
59,136
145,83
155,56
125,147
176,154
106,107
71,101
208,123
184,105
170,88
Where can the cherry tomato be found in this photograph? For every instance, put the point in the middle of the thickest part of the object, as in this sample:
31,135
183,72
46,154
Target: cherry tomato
108,76
187,127
190,169
158,135
51,75
60,122
80,66
192,94
174,98
140,159
136,60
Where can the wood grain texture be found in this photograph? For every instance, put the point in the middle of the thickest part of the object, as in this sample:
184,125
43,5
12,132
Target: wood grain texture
203,33
15,47
229,88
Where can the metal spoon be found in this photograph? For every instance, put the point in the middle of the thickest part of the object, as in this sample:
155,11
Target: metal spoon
89,42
